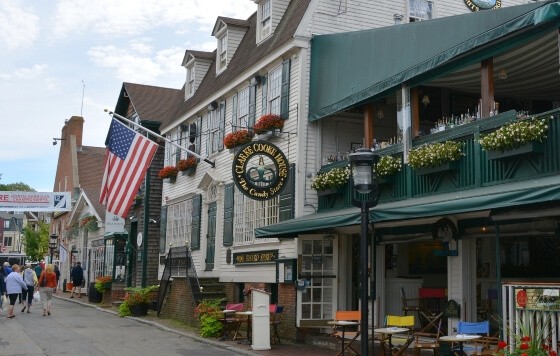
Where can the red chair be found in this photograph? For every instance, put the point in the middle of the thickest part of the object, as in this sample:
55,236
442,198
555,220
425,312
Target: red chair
230,322
430,308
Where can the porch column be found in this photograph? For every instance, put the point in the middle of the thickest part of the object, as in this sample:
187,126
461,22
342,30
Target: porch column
368,125
415,111
487,87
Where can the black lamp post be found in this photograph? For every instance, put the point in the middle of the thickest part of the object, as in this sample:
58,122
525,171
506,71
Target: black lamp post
52,244
364,196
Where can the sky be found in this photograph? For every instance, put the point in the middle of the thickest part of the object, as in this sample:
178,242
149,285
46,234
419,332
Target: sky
67,58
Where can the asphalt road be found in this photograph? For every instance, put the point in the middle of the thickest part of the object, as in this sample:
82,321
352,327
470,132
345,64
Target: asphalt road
74,329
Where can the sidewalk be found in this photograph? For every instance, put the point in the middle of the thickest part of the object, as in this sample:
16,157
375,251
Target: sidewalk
283,349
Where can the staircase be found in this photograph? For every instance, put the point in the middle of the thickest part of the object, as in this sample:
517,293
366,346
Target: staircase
209,288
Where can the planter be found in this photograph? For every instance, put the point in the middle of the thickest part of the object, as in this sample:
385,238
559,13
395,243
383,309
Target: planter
169,180
327,192
449,166
388,179
269,134
530,147
139,309
93,295
189,171
107,299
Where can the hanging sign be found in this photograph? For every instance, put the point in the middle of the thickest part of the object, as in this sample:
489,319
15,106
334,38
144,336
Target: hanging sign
35,201
260,170
445,231
477,5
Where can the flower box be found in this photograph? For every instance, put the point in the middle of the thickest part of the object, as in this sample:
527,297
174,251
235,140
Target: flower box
139,309
531,147
322,193
189,171
268,122
238,138
170,180
448,166
267,135
387,179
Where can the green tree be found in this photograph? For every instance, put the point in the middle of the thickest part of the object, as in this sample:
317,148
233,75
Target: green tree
16,187
36,242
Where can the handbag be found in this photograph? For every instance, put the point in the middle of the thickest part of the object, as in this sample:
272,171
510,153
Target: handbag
5,303
37,296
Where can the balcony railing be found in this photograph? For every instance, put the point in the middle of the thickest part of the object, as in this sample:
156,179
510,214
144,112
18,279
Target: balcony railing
475,170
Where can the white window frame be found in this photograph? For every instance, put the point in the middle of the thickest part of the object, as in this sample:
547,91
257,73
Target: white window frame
266,10
274,90
222,51
6,224
171,150
213,121
179,223
420,10
190,79
242,108
251,214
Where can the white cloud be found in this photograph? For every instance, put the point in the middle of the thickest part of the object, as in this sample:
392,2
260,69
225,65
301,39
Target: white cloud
25,73
19,27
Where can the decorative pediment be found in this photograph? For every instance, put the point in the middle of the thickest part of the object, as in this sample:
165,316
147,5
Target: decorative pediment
208,179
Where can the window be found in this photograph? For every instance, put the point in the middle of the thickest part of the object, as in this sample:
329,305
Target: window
6,224
251,214
222,50
190,79
274,90
420,10
242,108
265,13
8,241
172,150
179,222
213,131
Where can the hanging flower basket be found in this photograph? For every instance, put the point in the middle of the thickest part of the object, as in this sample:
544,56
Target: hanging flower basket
238,138
187,166
168,172
268,123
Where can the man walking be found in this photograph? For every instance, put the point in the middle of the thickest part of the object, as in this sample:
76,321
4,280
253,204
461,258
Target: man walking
77,278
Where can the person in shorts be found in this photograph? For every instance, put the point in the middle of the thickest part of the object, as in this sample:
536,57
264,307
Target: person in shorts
77,278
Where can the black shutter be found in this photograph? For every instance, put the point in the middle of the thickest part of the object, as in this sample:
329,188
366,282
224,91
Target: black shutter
222,123
162,229
228,214
198,141
264,88
177,149
287,199
196,221
252,106
234,112
285,94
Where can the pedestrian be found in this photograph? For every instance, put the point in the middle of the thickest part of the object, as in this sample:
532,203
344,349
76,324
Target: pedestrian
7,268
14,286
39,268
57,272
47,286
30,279
77,278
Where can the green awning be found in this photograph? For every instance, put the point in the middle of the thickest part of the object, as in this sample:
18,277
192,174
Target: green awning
349,69
309,223
500,196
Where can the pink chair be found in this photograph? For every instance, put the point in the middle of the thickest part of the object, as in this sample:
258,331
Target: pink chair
230,322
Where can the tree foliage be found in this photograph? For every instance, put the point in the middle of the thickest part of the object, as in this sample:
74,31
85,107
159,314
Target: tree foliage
16,187
36,241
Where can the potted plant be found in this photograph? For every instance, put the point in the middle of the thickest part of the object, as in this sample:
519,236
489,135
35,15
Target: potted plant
137,301
388,166
268,122
169,173
188,166
103,286
327,182
435,157
515,138
238,138
209,314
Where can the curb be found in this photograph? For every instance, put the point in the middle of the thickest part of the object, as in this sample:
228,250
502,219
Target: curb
165,328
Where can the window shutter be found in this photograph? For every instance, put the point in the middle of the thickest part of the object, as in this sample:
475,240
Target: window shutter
264,87
228,214
198,141
177,149
206,129
287,200
196,221
222,123
234,112
252,106
285,94
163,229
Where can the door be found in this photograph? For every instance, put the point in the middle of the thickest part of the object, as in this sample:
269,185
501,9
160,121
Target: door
211,237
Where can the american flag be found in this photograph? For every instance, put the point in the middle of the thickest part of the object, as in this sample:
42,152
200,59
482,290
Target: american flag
128,157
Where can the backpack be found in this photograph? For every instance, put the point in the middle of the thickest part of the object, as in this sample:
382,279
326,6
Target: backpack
44,280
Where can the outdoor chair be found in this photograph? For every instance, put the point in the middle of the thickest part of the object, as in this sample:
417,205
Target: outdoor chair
469,328
397,344
349,335
409,305
230,322
427,341
276,312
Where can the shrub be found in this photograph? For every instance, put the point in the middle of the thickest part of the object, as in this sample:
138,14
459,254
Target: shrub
209,314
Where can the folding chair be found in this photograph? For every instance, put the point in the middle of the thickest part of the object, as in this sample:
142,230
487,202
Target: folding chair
427,341
230,322
275,319
397,344
430,308
342,334
406,307
475,346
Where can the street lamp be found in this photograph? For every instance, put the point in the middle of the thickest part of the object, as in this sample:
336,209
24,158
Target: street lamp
52,244
364,196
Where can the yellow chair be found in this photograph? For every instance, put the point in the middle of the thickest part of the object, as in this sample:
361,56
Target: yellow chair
397,344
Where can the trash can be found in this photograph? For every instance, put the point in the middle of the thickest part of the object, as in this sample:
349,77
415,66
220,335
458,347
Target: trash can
260,319
93,295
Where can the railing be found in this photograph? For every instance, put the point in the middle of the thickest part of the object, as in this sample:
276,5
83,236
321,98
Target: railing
474,170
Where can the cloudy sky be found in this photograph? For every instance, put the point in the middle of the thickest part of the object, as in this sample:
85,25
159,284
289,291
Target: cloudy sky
70,57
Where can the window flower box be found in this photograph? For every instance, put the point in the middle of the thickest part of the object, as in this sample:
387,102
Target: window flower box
444,167
530,147
187,166
168,173
434,157
238,138
386,179
515,135
268,122
333,179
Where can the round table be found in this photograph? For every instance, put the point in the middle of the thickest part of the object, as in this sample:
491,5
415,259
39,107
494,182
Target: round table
343,324
459,339
389,331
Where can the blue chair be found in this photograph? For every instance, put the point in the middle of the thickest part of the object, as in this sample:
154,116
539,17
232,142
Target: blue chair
481,328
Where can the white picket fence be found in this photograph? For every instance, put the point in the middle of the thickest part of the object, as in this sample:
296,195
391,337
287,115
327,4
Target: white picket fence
541,323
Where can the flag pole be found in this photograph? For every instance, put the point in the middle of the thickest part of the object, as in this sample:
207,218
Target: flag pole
213,164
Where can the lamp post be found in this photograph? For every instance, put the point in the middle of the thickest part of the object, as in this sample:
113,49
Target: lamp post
52,244
364,196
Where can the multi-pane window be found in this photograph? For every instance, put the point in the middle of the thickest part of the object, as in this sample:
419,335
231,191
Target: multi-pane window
190,79
251,214
265,13
222,48
6,224
420,10
274,90
242,108
213,131
179,222
172,150
8,241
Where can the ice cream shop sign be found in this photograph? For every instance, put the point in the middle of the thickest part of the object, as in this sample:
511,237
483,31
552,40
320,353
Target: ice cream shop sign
477,5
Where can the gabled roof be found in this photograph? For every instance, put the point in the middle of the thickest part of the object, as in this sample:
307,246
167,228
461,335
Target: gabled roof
150,102
197,54
246,55
228,21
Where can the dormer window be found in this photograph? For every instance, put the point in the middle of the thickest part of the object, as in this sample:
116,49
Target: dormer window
222,51
190,79
265,13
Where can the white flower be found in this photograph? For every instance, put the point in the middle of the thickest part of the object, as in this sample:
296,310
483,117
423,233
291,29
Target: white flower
335,178
515,135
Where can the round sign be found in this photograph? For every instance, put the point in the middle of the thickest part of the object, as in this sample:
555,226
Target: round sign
260,170
477,5
139,239
521,298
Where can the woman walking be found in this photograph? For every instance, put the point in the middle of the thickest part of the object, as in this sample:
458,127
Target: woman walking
30,279
14,286
47,286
